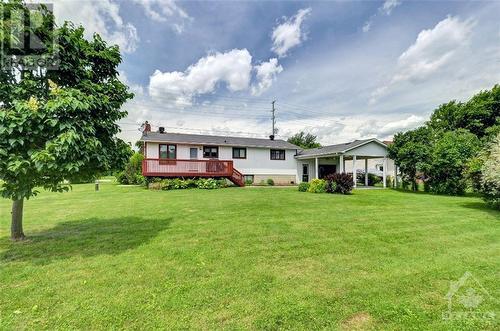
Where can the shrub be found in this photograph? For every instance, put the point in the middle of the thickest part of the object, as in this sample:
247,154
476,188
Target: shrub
340,183
317,186
248,182
208,184
331,186
121,178
303,187
490,175
132,174
270,182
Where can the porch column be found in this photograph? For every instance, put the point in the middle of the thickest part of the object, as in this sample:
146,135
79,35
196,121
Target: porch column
395,181
341,164
366,172
354,172
385,171
316,168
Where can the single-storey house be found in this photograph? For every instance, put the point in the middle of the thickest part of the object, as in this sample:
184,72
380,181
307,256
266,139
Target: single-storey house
254,159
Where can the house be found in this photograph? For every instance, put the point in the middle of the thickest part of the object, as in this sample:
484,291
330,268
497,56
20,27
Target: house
254,159
238,159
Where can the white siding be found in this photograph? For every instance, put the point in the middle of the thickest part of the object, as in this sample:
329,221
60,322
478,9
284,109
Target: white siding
258,161
369,149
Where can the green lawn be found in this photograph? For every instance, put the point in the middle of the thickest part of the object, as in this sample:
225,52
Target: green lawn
245,258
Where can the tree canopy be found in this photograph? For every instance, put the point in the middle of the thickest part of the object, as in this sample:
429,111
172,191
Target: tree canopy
304,140
58,124
445,151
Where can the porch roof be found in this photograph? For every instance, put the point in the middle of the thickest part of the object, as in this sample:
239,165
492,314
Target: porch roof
336,149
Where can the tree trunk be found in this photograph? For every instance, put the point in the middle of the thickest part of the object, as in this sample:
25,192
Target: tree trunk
16,229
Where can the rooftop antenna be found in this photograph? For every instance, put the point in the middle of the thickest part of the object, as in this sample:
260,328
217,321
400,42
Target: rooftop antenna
274,120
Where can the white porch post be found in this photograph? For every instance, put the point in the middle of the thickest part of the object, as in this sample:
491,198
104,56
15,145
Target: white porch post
316,168
366,172
354,172
341,164
395,181
385,171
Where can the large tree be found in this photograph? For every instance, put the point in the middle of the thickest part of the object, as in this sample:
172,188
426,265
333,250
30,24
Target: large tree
57,124
304,140
410,151
480,115
448,161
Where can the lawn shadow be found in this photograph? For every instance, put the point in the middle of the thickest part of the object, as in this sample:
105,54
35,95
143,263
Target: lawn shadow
85,238
482,206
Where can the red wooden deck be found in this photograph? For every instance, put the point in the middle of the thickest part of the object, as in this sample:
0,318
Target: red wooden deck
191,168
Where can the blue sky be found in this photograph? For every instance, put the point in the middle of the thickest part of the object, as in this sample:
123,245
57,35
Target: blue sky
341,70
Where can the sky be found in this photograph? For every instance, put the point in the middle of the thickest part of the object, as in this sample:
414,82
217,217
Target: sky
340,70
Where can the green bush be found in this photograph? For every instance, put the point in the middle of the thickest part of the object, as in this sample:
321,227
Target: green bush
303,187
208,183
317,186
248,182
132,174
167,184
270,182
490,175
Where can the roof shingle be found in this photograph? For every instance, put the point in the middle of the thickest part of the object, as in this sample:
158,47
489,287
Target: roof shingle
184,138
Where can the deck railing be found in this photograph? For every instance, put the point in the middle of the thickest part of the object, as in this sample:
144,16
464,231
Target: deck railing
186,168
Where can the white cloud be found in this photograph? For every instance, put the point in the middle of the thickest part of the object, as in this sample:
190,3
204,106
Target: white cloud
433,49
266,75
99,16
381,129
233,68
367,26
386,9
289,34
389,5
166,11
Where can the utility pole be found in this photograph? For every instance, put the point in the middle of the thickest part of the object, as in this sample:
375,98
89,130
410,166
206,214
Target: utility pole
274,119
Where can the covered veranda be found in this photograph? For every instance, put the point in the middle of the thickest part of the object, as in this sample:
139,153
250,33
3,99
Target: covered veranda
348,157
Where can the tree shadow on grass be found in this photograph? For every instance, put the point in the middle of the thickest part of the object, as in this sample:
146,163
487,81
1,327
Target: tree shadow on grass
482,206
85,238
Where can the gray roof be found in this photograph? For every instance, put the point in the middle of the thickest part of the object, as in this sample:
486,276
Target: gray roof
335,149
198,139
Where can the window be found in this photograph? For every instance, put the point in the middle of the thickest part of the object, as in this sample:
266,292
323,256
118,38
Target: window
211,152
167,151
277,154
193,153
239,153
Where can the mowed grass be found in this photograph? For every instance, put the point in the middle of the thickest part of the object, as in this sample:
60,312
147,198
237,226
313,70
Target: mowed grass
245,258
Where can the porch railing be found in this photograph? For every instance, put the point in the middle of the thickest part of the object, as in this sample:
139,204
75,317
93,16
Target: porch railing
186,168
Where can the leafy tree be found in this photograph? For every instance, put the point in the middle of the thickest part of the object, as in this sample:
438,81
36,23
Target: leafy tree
446,117
58,125
304,140
449,157
491,174
411,153
480,115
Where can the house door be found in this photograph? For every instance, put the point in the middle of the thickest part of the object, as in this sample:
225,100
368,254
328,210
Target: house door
193,153
326,169
305,172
